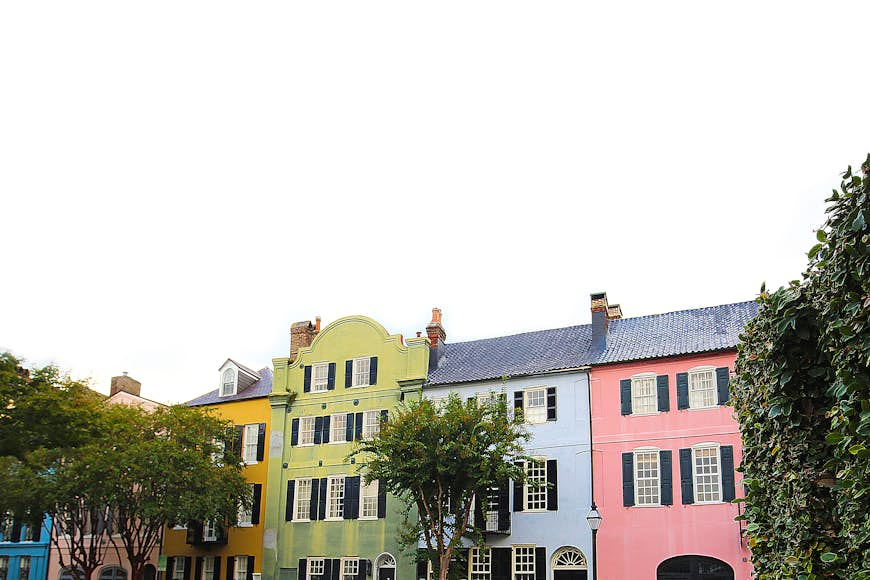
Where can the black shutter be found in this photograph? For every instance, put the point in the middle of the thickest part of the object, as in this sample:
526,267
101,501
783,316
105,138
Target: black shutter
191,534
217,568
373,370
237,439
348,374
250,567
551,403
384,415
663,394
479,520
504,512
318,430
187,565
518,491
306,386
231,565
666,478
518,401
625,396
501,563
552,486
348,431
336,568
324,438
16,530
302,571
361,569
291,497
321,510
357,428
198,569
423,570
686,485
382,500
628,479
726,461
261,441
314,507
255,504
722,384
170,566
540,563
682,390
351,497
330,378
327,569
294,432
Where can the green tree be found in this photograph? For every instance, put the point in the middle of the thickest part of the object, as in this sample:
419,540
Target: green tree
802,397
441,461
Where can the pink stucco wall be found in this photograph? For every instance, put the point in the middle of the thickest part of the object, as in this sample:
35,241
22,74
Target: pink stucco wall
633,541
113,558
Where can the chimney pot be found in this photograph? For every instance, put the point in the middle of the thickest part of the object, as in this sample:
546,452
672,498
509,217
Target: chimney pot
302,335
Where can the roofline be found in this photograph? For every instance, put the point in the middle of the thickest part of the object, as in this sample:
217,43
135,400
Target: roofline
553,372
192,404
668,356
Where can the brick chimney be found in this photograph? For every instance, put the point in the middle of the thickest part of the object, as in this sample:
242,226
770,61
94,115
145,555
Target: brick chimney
127,384
437,336
301,335
614,312
602,314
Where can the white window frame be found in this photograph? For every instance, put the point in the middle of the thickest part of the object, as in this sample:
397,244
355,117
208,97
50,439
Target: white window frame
695,392
526,573
539,417
25,558
491,514
658,478
209,525
438,403
319,384
178,571
338,434
696,485
217,457
246,516
298,499
233,380
371,428
528,490
315,564
360,377
208,574
334,488
353,564
480,563
636,385
302,422
372,490
250,432
240,568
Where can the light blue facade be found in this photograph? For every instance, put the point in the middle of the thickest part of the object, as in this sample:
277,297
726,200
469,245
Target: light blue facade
13,549
565,439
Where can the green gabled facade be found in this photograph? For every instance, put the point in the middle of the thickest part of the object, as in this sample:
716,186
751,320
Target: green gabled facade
335,388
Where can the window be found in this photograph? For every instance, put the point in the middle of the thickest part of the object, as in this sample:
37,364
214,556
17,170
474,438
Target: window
306,431
302,510
4,567
315,568
338,428
708,483
536,485
240,570
535,407
228,383
438,403
251,440
208,568
481,563
484,397
492,510
371,424
110,573
646,477
245,515
361,368
178,569
320,377
369,501
217,456
69,574
31,533
349,568
7,526
24,569
209,531
335,498
643,394
524,562
702,388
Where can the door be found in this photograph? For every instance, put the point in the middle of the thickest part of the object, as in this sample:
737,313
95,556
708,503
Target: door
386,574
569,575
694,568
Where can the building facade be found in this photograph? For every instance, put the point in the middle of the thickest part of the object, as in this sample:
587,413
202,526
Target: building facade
24,549
336,387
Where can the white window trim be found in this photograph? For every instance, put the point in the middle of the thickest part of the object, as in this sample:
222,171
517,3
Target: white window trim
297,497
514,559
362,486
718,455
635,452
526,392
313,431
353,372
640,376
694,371
332,440
329,480
377,423
256,431
341,569
314,368
211,538
527,489
176,568
310,564
474,552
249,512
203,572
237,567
235,381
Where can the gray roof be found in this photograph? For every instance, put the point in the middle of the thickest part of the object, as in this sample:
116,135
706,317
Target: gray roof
699,330
262,388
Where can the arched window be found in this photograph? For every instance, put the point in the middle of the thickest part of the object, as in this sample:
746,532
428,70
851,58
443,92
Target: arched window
69,574
228,383
113,573
569,563
694,568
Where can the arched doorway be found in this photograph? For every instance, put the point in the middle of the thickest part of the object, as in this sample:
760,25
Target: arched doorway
385,567
694,568
150,572
569,563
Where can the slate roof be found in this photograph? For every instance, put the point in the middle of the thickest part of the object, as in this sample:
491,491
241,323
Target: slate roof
659,335
262,388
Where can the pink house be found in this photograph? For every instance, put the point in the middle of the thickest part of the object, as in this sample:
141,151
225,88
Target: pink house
665,445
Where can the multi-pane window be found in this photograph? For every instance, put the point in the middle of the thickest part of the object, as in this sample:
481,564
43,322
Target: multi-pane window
643,394
240,570
338,428
524,562
492,510
315,568
361,368
4,567
369,500
702,388
251,436
208,568
228,382
178,569
245,515
209,531
646,478
7,526
371,424
535,407
708,481
335,498
438,403
320,376
24,568
302,510
536,485
217,456
349,568
481,563
306,431
31,533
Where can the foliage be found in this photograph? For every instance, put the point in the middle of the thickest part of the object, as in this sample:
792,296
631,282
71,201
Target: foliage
802,397
441,460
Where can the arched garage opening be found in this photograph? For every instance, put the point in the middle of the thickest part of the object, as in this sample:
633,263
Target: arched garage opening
694,568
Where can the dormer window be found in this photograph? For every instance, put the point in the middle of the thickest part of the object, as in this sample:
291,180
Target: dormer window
235,378
228,383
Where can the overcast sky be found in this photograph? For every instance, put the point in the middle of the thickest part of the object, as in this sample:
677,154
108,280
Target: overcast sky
183,180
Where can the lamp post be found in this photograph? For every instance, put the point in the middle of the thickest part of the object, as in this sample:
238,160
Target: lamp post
594,521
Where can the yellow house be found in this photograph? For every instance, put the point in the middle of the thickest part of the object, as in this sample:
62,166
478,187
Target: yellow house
209,551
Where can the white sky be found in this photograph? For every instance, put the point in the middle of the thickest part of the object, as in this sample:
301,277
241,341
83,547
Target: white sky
181,181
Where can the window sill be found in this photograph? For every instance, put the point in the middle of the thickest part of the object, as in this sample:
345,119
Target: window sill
245,525
536,511
651,414
717,502
368,518
300,521
249,463
648,505
305,445
334,519
336,442
357,386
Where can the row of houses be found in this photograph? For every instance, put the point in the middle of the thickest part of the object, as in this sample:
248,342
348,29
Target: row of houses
627,417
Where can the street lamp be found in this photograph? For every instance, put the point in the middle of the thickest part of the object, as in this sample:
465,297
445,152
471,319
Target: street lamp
594,521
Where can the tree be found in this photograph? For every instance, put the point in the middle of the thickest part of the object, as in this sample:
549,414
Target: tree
802,396
441,461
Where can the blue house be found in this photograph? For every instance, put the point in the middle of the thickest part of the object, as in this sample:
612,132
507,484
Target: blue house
24,550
